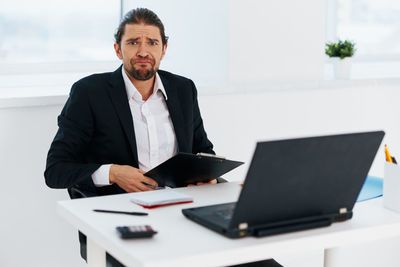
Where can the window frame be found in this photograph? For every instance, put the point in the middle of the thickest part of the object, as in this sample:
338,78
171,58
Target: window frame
78,66
332,9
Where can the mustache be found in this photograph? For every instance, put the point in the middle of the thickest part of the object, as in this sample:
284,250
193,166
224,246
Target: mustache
144,59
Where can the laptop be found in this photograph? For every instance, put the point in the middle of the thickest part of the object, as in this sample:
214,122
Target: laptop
295,184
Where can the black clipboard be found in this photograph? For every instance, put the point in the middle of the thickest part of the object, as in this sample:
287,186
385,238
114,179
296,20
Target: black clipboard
185,168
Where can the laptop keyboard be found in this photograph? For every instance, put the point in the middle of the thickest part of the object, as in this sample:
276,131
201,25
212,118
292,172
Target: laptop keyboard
226,213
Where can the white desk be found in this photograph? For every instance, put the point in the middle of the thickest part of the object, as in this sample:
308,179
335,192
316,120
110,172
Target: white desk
181,242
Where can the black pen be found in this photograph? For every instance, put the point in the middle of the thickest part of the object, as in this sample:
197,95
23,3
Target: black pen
123,212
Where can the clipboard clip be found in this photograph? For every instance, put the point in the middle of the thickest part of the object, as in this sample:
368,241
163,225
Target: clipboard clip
209,155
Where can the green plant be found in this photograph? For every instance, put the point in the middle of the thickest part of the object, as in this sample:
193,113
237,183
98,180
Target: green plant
340,49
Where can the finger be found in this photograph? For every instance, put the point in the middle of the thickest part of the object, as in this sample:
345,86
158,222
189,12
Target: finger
214,181
143,187
132,189
141,171
149,181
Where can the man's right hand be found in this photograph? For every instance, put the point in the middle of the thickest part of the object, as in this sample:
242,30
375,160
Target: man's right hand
130,179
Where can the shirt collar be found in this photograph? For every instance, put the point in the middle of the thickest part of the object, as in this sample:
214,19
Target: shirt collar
132,92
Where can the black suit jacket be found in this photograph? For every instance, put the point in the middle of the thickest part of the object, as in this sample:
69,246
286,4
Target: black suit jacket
96,127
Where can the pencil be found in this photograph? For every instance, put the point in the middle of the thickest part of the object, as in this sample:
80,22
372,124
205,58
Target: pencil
388,157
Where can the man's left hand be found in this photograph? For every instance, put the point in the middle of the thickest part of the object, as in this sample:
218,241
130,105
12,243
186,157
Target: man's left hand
214,181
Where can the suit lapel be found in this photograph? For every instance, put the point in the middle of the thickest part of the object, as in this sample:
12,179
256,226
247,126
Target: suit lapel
119,98
175,111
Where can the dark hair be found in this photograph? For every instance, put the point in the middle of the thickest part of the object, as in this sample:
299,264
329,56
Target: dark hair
137,16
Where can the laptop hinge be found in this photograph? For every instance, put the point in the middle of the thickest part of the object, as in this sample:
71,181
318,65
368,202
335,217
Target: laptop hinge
343,215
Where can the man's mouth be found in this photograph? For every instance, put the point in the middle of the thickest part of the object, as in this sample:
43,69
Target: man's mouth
143,62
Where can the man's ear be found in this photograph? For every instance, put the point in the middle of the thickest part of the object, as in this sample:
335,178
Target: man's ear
117,49
163,51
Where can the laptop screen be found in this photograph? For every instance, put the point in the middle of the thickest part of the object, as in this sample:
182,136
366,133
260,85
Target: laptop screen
305,177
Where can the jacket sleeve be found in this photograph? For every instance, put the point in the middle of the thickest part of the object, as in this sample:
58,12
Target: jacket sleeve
66,165
200,140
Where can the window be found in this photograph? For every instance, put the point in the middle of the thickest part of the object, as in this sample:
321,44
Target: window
57,30
375,28
52,37
373,25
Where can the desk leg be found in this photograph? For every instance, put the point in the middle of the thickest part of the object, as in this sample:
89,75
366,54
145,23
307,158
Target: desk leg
96,255
331,257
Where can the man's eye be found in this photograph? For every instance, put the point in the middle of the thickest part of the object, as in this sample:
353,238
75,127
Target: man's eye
132,43
152,43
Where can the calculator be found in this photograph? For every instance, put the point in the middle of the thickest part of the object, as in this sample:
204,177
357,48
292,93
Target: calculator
137,231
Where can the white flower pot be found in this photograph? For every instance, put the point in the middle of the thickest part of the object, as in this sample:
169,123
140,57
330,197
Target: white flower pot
342,68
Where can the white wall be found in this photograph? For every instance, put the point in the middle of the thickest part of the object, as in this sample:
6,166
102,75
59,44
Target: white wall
31,232
242,42
233,122
198,32
236,121
276,40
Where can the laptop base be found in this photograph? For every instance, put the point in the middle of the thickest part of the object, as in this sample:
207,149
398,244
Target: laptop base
222,226
291,227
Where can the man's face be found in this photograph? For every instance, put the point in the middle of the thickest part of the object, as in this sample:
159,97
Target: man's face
141,50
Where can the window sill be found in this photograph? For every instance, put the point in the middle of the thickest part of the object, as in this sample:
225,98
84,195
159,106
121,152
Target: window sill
53,88
57,95
362,69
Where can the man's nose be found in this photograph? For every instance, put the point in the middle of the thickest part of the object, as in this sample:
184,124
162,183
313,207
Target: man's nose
142,50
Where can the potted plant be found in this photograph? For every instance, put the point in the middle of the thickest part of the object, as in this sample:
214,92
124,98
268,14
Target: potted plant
341,53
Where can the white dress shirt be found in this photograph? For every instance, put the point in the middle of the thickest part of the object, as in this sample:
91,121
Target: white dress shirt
154,131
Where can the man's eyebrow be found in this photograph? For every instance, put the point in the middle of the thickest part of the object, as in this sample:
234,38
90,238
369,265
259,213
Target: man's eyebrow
153,40
132,39
138,38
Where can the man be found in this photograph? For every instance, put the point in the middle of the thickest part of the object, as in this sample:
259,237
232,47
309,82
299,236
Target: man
116,126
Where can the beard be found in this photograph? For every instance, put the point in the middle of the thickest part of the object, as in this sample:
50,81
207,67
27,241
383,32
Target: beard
142,74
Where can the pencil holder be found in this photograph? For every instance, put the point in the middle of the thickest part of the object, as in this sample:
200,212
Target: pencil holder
391,186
